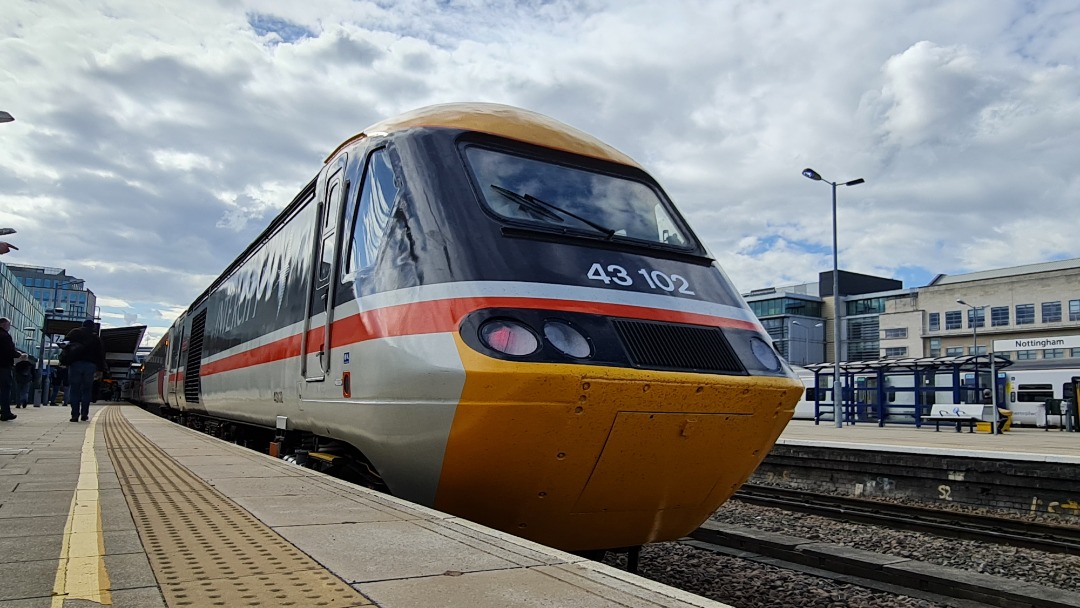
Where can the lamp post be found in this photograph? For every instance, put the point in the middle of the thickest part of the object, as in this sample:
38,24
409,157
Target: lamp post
806,333
57,311
974,330
806,340
975,355
41,354
5,117
837,388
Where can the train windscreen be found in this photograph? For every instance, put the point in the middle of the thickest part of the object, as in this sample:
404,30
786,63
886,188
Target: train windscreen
562,197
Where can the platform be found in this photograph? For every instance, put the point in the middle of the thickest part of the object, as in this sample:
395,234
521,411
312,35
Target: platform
132,510
1020,443
1023,471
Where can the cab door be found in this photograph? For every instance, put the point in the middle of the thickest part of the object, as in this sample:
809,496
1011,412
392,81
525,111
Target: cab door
319,317
175,372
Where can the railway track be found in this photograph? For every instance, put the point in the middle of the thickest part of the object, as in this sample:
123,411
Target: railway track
982,528
963,583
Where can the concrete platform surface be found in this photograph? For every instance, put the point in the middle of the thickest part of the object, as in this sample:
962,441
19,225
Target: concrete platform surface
1019,443
68,537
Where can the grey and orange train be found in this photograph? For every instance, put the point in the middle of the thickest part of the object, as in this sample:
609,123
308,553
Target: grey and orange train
488,312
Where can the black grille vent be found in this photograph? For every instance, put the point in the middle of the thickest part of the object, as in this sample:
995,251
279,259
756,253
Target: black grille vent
192,380
677,347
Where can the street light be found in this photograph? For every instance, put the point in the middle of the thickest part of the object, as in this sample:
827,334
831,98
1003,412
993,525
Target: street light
806,333
5,117
806,340
974,330
975,358
30,338
41,354
814,175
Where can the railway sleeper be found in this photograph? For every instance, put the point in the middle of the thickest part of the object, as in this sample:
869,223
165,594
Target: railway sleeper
902,572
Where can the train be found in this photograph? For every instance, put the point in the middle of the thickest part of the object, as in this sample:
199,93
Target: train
483,310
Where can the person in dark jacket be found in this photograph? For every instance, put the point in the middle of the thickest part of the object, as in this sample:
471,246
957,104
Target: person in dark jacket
59,379
8,354
84,357
24,378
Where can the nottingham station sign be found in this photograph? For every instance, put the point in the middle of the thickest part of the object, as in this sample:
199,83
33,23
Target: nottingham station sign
1037,343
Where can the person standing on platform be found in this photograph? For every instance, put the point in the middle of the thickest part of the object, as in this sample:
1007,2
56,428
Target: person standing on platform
84,357
58,379
24,377
8,354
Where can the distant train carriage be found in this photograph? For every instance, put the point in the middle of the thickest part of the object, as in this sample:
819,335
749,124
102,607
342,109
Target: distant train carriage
498,316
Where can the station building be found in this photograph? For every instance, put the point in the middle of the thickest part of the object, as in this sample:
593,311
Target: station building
26,313
55,289
880,319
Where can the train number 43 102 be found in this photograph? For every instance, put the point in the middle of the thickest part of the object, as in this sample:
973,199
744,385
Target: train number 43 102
613,273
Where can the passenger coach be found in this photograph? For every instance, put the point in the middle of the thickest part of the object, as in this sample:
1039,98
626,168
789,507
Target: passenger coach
488,312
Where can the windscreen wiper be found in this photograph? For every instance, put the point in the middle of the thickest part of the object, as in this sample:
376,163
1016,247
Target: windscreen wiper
541,205
526,203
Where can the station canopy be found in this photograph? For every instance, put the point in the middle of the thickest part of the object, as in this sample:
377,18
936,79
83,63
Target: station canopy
911,364
122,339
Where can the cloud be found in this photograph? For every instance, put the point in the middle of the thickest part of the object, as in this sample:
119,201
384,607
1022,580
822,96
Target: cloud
153,142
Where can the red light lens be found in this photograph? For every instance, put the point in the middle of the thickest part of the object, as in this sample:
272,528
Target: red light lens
509,338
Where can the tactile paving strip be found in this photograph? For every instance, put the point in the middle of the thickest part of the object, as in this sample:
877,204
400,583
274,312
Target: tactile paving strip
204,549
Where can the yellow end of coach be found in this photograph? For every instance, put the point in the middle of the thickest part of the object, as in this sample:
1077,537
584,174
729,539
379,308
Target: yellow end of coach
586,457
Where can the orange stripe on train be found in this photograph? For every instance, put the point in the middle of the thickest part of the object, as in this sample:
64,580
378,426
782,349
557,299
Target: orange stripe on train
441,316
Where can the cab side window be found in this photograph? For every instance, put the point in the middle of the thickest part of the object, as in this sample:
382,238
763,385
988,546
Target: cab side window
378,193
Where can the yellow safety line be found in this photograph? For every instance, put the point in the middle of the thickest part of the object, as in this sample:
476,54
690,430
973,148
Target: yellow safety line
81,572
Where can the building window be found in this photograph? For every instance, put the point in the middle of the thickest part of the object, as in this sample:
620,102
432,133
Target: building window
1051,312
866,307
1025,314
1025,355
999,316
976,317
1076,352
954,351
935,347
935,320
980,351
954,320
892,334
863,342
1006,355
785,306
1054,353
1074,310
900,351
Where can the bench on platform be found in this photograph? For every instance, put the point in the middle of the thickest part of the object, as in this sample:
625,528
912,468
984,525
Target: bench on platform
958,413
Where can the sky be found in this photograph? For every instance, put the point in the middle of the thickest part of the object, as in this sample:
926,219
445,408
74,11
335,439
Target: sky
153,140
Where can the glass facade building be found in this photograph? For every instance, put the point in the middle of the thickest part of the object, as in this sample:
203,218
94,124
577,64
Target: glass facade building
26,313
54,289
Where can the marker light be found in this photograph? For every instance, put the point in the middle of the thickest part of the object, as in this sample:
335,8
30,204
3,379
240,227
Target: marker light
765,354
567,339
509,337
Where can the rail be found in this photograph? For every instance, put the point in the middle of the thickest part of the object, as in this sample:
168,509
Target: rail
984,528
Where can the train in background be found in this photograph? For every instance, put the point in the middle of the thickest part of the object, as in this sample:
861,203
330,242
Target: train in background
483,310
1023,388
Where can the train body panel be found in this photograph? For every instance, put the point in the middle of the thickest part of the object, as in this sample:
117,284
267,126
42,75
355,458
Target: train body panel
1029,388
507,319
603,445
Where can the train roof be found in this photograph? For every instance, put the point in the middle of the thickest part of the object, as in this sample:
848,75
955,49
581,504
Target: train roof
501,120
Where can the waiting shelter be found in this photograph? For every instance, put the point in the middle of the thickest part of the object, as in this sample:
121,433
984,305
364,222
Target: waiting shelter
904,390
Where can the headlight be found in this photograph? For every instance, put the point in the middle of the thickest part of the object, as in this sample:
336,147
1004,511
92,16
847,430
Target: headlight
509,338
567,339
765,354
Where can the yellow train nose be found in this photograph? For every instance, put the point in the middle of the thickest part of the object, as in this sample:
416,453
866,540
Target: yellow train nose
585,457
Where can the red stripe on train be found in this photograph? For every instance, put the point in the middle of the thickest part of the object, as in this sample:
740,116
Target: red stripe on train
441,316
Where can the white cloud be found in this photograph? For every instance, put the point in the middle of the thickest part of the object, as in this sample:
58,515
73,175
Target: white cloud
153,141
